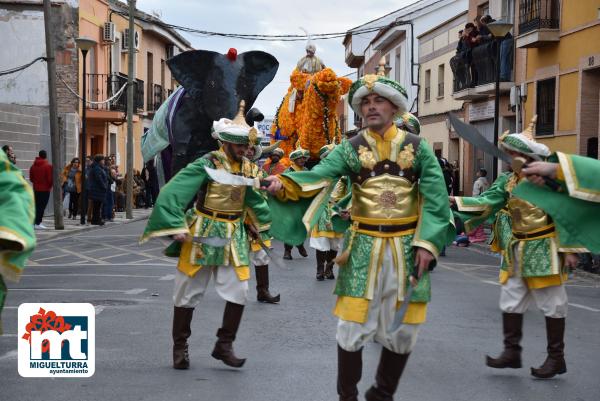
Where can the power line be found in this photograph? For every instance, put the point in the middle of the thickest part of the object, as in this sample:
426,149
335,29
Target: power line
269,38
17,69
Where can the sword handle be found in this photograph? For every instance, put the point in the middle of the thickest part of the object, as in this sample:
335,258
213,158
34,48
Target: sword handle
552,184
264,183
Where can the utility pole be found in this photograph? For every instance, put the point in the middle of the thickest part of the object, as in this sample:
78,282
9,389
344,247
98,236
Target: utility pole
54,132
130,88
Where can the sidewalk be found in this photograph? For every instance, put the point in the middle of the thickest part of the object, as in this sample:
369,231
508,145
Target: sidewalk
73,227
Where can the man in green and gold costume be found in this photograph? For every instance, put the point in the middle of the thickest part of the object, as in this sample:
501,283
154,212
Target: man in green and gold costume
17,211
216,219
534,259
401,220
325,237
298,159
576,207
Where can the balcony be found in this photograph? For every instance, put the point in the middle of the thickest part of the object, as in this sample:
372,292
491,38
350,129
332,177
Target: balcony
474,70
539,23
102,87
352,60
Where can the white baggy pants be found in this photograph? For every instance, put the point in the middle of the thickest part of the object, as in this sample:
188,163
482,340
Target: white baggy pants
352,336
190,290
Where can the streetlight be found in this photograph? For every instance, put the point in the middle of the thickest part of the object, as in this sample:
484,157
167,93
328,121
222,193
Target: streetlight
498,29
84,44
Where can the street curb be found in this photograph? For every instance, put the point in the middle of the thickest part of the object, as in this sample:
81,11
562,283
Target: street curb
61,234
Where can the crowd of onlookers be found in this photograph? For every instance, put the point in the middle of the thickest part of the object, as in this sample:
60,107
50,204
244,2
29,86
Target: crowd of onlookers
475,58
105,185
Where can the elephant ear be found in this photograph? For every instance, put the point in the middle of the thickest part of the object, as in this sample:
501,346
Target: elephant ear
258,70
217,82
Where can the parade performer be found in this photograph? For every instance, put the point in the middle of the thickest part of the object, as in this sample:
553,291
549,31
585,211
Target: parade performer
324,237
534,263
310,64
576,208
297,158
401,220
17,239
220,244
274,165
259,257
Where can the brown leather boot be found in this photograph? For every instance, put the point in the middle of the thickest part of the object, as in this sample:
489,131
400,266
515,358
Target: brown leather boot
349,373
331,254
512,326
302,251
182,318
321,259
287,253
555,361
389,371
224,347
262,285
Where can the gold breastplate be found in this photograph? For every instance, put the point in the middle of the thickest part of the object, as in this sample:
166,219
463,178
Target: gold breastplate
224,198
525,216
387,199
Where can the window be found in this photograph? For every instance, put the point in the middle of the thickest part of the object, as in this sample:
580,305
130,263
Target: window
397,66
440,80
427,85
545,106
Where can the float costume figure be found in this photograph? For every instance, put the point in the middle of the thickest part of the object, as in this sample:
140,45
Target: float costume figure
296,155
218,214
532,260
17,239
399,202
326,237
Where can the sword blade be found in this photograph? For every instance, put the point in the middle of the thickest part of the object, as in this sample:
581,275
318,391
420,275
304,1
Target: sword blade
470,134
273,257
400,313
223,177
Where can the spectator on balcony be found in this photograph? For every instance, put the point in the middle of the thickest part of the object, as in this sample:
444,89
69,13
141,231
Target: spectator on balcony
506,58
483,32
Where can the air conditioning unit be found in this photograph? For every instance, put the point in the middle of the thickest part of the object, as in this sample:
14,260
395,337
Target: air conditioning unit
172,51
136,40
108,33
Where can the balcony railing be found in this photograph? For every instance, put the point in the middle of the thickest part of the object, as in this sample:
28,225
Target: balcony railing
477,66
101,87
538,14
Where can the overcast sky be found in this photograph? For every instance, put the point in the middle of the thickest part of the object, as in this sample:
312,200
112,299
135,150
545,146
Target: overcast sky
272,17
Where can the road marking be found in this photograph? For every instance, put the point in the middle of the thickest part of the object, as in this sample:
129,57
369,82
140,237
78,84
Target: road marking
114,256
52,257
81,265
469,264
147,255
128,292
135,291
167,277
79,255
98,309
584,307
10,354
89,275
490,282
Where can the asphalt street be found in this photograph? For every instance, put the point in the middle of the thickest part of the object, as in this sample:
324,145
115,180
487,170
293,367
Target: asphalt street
290,347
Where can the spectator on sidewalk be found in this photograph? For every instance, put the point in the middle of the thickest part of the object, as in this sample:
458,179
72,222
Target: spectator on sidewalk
109,201
10,153
481,184
71,184
98,185
40,174
150,178
88,209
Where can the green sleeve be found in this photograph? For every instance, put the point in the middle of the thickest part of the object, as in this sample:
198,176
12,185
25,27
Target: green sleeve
294,219
474,211
17,211
580,176
169,214
436,227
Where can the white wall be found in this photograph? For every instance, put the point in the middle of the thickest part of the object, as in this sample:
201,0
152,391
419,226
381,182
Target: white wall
23,40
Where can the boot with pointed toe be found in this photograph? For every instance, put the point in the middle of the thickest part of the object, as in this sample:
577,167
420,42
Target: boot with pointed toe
512,327
223,350
389,372
287,253
182,318
302,251
555,361
321,259
331,254
262,285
